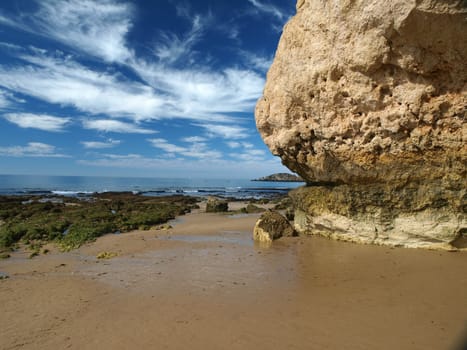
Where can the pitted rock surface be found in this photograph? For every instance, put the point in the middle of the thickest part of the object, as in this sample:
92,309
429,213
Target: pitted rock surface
367,101
370,91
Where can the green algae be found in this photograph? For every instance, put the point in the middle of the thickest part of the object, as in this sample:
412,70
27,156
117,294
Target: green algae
70,222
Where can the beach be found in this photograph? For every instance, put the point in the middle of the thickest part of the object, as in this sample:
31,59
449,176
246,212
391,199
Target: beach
204,284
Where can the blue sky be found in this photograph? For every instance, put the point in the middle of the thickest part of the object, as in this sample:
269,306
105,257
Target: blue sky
136,88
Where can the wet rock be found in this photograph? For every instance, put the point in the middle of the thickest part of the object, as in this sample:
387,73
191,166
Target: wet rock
216,205
163,227
416,216
252,209
106,255
272,225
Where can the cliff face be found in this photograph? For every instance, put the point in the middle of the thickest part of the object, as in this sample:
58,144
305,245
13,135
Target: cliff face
370,98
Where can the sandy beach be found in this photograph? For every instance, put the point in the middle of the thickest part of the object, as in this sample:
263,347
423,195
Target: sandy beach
204,284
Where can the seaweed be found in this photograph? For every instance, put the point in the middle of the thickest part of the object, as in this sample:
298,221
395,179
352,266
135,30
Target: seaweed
71,222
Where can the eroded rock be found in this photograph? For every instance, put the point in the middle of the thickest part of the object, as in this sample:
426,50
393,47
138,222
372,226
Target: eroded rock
370,91
366,100
216,205
271,226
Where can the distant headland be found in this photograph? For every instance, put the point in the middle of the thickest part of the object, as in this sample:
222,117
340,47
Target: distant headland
280,177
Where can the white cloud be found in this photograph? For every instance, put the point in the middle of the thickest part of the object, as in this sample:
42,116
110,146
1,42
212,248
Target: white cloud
250,155
196,93
98,28
108,125
245,151
9,22
38,121
100,145
198,150
231,132
8,101
237,168
190,94
164,145
260,63
269,9
193,139
236,144
202,94
10,46
233,144
60,80
32,149
171,48
4,102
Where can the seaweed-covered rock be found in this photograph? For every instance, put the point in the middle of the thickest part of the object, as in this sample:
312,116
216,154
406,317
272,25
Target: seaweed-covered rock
416,216
252,209
272,225
216,205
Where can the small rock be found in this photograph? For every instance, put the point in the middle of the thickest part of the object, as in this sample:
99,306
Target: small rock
163,227
251,209
290,214
4,276
4,255
270,226
216,205
106,255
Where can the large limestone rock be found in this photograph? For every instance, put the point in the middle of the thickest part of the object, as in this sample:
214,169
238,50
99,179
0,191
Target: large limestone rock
368,92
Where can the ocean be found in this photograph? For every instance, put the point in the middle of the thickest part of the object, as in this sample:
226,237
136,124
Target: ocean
87,185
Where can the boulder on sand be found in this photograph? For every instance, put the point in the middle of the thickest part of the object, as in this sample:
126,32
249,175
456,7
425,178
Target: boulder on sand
366,101
216,205
270,226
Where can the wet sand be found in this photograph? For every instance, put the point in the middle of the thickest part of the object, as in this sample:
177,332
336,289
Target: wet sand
205,285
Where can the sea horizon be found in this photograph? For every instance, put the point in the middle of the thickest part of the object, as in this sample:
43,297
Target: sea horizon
78,185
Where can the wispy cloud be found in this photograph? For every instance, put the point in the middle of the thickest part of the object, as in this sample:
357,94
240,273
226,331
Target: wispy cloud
193,139
261,63
9,101
164,145
203,94
4,101
98,28
32,149
60,80
250,155
237,168
9,22
163,91
110,125
196,149
100,144
170,47
237,144
229,132
269,9
38,121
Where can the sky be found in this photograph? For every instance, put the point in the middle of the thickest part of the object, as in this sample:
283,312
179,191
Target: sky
161,88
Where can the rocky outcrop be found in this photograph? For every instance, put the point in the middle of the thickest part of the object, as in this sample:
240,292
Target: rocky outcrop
366,100
412,216
271,226
216,205
280,177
